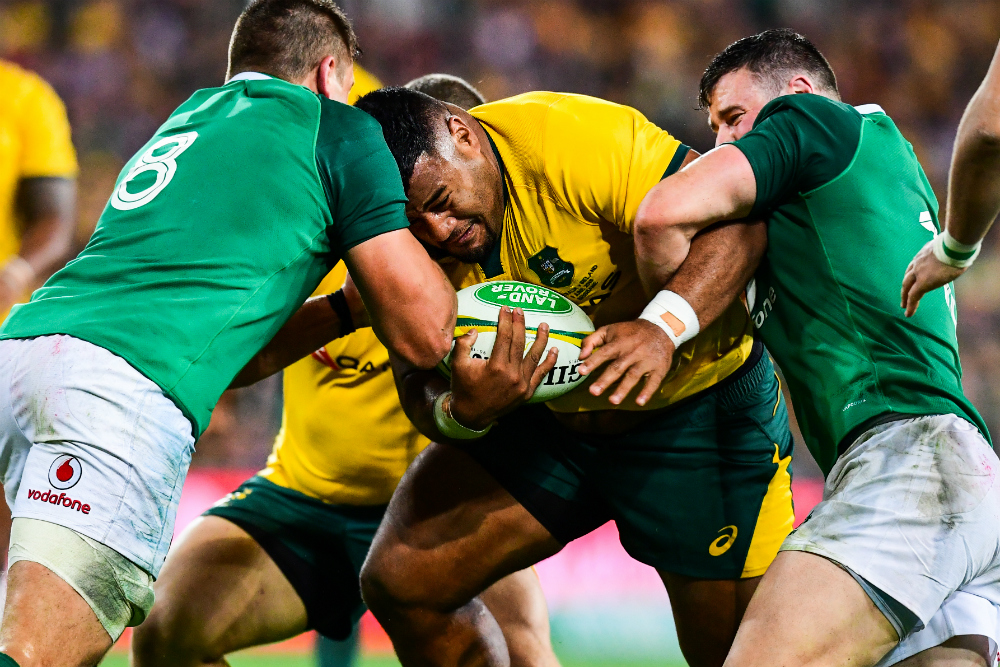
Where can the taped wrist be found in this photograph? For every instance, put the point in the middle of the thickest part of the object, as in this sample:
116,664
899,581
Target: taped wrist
339,304
448,425
672,313
955,253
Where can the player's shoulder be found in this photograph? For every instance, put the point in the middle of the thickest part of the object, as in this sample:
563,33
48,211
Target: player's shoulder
20,85
348,129
808,108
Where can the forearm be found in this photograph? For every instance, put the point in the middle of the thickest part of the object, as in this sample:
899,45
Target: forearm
721,263
717,186
418,389
312,326
47,208
974,181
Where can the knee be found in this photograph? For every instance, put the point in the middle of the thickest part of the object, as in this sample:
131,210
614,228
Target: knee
163,640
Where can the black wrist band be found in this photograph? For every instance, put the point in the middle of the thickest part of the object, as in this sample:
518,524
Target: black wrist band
339,304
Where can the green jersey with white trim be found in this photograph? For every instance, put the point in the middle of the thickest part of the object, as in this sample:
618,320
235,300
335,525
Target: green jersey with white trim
847,207
217,231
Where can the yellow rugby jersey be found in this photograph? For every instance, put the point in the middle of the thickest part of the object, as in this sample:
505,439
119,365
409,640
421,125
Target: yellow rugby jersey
575,170
344,438
34,142
364,83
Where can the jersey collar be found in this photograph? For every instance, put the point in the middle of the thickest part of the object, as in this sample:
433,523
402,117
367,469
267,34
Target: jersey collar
493,266
250,76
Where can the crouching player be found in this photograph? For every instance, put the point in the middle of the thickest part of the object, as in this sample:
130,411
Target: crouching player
543,188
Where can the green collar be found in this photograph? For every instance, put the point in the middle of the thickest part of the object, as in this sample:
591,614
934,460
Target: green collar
493,266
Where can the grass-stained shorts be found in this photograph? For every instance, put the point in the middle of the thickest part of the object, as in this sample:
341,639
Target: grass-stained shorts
318,546
701,489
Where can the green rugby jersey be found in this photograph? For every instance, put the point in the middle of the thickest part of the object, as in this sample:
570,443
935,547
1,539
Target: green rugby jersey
217,231
847,207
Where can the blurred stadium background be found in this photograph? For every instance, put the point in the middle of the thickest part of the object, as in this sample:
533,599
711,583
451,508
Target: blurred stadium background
122,66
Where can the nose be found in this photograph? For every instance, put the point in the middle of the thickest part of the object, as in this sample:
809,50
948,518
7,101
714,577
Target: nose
724,135
438,226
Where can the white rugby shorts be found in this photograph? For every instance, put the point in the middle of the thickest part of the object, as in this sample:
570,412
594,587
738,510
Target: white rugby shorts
89,443
913,507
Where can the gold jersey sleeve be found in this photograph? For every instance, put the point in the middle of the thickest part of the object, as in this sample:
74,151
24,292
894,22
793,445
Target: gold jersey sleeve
34,142
575,170
344,437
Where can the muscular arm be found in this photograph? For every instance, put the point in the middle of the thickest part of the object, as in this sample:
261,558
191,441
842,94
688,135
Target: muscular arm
974,181
410,302
973,191
718,186
311,327
47,207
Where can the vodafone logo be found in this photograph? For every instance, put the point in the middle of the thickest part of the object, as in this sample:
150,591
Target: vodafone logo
65,472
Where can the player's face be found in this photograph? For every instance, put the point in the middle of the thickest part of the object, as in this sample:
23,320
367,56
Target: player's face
456,205
737,99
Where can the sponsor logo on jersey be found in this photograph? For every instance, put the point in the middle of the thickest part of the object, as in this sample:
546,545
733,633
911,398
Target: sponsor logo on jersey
522,295
766,306
65,472
721,544
552,270
345,362
59,499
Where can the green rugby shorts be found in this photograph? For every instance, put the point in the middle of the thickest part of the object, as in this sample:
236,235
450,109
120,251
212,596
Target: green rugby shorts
701,489
318,546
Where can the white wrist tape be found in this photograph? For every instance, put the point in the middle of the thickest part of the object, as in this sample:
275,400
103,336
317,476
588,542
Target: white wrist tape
448,425
954,253
672,313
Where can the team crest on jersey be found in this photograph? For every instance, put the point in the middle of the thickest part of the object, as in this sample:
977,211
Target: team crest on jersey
551,269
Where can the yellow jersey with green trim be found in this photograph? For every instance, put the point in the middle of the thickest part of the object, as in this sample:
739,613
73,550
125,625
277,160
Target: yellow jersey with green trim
34,143
575,170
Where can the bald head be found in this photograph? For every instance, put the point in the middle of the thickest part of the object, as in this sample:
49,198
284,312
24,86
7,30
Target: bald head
448,88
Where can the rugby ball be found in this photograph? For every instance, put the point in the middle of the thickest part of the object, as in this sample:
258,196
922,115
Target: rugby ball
479,307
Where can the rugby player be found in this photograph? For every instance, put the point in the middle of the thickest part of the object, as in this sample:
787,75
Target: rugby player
543,188
216,232
973,196
901,559
282,553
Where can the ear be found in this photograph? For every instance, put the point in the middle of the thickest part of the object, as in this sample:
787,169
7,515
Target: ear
466,141
332,85
800,83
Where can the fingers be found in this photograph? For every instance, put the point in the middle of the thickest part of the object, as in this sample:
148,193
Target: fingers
909,279
517,337
542,370
610,375
592,341
597,358
631,378
653,381
463,348
505,331
537,348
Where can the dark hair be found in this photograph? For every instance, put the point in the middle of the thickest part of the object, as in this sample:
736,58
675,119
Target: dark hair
770,55
408,119
448,88
287,38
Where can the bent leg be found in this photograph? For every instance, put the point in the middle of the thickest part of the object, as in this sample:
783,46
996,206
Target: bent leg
707,613
809,612
47,623
960,651
450,532
519,607
218,592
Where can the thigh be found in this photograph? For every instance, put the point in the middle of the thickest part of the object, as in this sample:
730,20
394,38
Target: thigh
808,611
518,605
450,532
960,651
219,591
707,613
703,490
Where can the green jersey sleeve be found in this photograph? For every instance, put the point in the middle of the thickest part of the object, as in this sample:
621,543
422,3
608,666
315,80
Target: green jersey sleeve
362,184
799,143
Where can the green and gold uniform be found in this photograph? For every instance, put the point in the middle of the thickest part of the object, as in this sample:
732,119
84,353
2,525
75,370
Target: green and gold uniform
701,487
829,315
